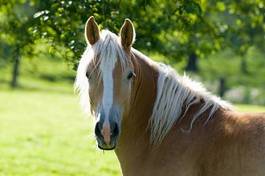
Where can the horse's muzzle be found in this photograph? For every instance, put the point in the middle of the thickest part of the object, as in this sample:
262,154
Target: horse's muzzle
106,135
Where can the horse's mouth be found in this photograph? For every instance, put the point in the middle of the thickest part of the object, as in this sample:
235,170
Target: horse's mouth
103,146
106,148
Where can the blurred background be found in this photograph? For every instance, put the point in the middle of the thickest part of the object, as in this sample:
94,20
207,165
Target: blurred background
42,128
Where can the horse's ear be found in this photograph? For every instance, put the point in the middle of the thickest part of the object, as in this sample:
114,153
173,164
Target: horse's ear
91,31
127,34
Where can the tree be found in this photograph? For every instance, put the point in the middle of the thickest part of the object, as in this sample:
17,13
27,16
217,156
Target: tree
240,23
16,19
183,29
63,22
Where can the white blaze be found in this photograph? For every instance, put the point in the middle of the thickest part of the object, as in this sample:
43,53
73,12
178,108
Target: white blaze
107,98
107,66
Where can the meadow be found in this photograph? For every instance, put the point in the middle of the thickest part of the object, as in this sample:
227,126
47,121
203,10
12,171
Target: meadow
43,130
45,133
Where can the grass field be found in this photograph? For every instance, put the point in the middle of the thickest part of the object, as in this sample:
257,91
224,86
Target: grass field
43,131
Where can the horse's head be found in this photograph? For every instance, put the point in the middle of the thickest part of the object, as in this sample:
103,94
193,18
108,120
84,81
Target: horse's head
104,79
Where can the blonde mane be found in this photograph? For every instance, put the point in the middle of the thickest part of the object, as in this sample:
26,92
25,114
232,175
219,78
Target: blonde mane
177,93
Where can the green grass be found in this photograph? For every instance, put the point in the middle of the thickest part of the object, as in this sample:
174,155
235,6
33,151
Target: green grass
250,108
45,133
42,128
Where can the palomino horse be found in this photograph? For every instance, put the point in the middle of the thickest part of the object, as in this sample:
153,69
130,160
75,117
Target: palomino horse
158,122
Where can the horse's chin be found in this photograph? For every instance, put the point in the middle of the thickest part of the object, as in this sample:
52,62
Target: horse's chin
107,147
103,146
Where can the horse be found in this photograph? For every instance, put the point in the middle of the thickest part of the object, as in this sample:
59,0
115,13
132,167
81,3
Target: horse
159,122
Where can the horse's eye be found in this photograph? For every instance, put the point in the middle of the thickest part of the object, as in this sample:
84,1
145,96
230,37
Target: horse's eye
88,75
130,75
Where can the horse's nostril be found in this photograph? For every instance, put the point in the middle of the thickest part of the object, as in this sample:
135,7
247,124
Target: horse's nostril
97,130
115,130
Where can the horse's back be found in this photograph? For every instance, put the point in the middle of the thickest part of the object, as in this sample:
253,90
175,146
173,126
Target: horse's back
238,147
231,144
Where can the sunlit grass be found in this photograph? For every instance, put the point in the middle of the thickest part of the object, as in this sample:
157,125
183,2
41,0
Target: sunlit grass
45,133
250,108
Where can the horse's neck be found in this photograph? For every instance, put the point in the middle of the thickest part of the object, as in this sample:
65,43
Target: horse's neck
134,150
134,139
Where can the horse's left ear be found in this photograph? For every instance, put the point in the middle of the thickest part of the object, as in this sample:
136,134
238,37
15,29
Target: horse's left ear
91,31
127,34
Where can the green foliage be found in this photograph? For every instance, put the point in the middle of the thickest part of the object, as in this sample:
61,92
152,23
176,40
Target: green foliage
176,29
63,21
173,28
239,23
16,19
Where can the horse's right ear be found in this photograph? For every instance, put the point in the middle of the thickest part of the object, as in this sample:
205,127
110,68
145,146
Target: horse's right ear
127,34
91,31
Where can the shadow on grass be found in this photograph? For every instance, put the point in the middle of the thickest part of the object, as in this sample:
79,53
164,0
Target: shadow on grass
57,78
40,86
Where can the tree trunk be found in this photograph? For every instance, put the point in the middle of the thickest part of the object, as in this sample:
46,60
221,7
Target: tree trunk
192,64
222,87
243,65
15,71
